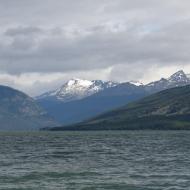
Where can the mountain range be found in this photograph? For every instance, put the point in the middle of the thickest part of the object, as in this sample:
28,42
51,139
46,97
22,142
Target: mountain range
168,109
78,100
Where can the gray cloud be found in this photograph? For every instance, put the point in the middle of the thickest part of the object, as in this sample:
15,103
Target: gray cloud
23,31
51,36
98,48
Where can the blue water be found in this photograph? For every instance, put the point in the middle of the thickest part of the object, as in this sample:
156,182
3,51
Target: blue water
125,160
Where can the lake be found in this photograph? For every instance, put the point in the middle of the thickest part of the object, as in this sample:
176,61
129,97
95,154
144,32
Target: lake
111,160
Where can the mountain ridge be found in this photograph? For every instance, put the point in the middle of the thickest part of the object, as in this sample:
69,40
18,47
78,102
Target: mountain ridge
177,79
107,99
75,88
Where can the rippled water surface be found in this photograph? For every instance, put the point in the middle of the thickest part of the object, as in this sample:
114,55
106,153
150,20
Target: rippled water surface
114,160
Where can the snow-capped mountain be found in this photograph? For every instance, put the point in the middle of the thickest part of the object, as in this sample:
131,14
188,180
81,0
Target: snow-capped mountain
76,89
96,97
177,79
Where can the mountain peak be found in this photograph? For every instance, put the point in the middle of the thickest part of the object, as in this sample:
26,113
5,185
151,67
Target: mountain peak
177,79
178,73
179,76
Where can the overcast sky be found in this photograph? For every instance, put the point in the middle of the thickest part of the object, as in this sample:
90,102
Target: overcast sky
45,42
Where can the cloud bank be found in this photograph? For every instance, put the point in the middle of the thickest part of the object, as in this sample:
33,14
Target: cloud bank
45,42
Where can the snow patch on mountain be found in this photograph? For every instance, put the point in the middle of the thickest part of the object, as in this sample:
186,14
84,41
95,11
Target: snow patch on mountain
136,83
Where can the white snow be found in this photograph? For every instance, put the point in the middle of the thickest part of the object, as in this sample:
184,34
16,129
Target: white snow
79,82
136,83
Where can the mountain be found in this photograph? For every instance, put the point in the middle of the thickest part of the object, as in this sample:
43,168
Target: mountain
76,89
84,102
20,112
177,79
109,98
168,109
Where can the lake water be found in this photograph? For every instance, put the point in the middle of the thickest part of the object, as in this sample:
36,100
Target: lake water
112,160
